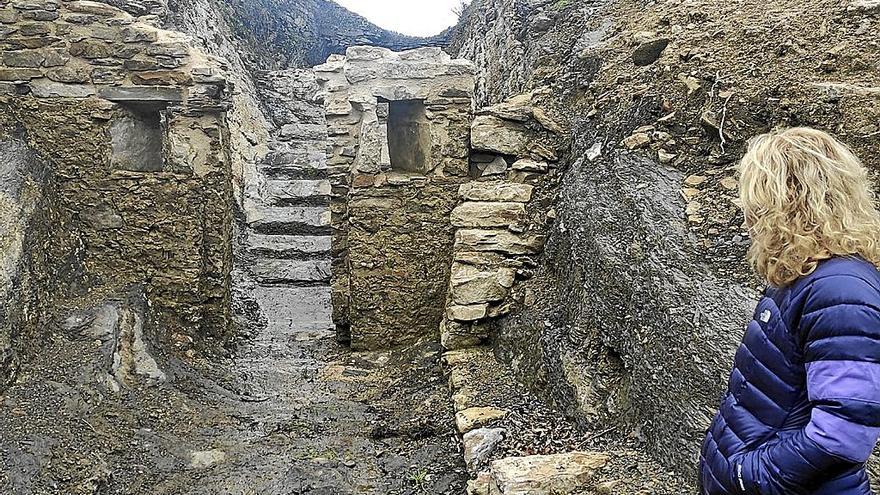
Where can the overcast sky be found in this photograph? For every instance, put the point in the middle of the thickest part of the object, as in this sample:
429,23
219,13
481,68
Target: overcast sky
414,17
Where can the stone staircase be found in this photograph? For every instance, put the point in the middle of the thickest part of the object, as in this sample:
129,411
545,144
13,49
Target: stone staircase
287,238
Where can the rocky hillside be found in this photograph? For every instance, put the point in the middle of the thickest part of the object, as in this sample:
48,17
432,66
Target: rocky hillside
642,296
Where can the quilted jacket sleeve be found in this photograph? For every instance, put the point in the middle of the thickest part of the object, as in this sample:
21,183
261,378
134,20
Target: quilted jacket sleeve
840,327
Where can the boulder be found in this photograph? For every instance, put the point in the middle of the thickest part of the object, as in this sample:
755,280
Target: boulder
648,52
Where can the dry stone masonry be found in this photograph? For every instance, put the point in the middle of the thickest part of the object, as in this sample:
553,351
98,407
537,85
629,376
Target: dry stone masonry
131,124
515,144
398,126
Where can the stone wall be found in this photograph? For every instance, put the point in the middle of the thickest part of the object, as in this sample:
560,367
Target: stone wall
392,234
500,228
131,123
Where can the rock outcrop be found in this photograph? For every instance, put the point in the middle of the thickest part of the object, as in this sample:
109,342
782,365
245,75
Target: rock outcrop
639,302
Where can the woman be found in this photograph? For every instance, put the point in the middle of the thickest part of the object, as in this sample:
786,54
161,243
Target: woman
802,411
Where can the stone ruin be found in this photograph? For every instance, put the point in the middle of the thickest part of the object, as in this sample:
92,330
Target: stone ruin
429,205
120,171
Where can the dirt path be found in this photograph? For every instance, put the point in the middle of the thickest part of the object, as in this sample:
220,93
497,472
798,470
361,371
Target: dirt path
292,413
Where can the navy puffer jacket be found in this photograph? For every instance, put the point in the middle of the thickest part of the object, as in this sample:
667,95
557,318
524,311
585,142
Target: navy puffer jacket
802,410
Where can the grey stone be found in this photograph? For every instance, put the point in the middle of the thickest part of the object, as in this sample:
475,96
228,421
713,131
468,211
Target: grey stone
479,445
290,271
23,58
35,4
497,166
69,74
94,8
45,88
648,52
141,93
102,218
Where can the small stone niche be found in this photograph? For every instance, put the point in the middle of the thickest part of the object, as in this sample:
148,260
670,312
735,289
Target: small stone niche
409,136
136,138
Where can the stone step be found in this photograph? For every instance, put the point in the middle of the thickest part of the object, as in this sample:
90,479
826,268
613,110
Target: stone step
304,220
295,272
288,246
294,161
288,307
296,192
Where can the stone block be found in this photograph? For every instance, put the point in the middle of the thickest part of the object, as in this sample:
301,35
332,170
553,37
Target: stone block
475,417
55,58
40,15
95,8
467,313
555,474
471,285
36,4
142,93
529,165
162,78
23,58
19,74
45,88
33,29
495,191
487,214
92,49
502,241
173,49
69,74
490,133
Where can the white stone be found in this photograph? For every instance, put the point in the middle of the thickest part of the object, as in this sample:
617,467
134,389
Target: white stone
206,458
556,474
503,241
470,285
490,133
496,191
475,417
467,313
487,214
529,165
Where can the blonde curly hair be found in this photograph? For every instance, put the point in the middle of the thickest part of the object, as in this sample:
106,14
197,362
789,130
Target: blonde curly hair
806,198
